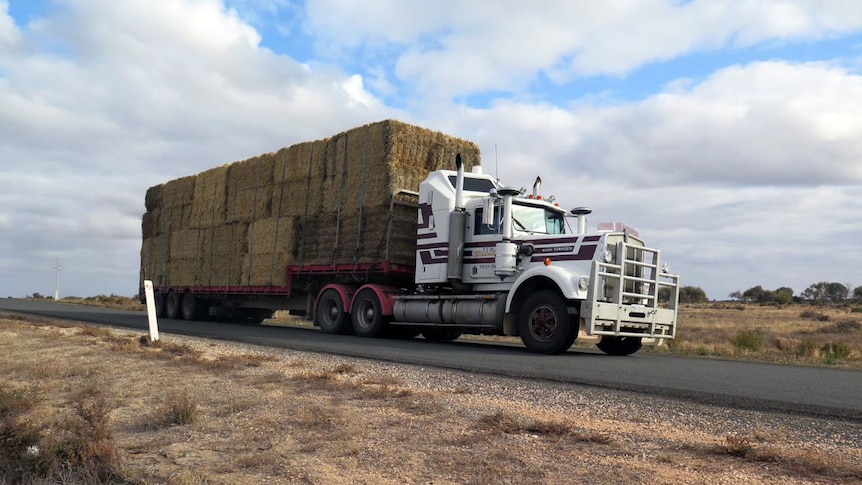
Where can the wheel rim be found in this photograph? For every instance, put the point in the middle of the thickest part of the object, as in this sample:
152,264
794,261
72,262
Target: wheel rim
543,322
366,314
330,311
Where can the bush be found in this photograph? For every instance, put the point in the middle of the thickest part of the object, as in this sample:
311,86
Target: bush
806,348
179,408
751,340
17,436
813,315
835,352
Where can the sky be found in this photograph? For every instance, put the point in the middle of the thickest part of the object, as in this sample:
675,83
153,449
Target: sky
727,132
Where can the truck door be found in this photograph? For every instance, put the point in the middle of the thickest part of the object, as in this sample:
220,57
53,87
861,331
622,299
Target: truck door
479,248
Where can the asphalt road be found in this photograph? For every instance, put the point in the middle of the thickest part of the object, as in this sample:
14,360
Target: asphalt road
828,392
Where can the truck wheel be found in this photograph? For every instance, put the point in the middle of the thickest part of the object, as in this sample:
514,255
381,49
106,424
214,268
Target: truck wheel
330,314
172,305
619,345
439,335
366,315
159,300
193,307
544,323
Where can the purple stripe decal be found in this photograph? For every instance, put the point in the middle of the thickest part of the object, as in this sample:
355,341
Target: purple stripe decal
586,252
427,258
592,238
478,260
432,246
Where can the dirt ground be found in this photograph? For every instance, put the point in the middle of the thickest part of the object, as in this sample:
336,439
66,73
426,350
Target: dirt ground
194,411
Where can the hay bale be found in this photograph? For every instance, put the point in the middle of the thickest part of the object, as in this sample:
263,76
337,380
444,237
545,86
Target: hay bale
249,189
315,203
210,198
153,199
270,251
178,192
150,223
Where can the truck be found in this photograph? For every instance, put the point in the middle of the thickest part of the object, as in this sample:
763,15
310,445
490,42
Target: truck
393,230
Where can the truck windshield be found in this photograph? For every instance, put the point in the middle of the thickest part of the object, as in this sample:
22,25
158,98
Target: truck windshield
537,220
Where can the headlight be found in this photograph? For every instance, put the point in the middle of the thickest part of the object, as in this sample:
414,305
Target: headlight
607,257
583,283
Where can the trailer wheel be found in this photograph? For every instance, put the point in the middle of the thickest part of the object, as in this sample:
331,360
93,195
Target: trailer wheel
544,323
330,314
367,316
172,305
439,335
193,307
619,345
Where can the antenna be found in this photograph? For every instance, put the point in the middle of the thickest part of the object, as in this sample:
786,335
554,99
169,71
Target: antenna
497,162
57,288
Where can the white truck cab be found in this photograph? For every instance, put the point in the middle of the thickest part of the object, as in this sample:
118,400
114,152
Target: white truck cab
491,259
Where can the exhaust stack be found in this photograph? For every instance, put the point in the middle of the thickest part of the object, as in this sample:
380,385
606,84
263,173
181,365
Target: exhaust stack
536,186
457,228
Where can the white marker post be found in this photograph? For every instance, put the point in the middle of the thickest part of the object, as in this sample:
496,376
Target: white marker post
151,310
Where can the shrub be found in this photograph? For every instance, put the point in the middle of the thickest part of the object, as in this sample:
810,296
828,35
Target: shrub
813,315
835,352
179,408
806,348
751,340
17,436
84,441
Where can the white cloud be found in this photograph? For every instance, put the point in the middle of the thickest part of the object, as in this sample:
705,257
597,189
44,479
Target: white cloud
735,173
450,49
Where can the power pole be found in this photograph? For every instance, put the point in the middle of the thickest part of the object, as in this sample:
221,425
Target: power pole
57,288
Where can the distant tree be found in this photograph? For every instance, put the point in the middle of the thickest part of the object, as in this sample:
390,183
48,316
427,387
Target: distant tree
816,292
836,292
37,296
692,294
783,295
857,294
757,294
736,295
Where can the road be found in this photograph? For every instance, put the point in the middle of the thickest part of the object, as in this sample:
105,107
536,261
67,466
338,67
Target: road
819,391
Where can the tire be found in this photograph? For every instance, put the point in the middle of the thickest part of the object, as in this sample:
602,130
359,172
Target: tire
330,314
159,300
619,345
440,335
172,305
544,323
366,315
193,307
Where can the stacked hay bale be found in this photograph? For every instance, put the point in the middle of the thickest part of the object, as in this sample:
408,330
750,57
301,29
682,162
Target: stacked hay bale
322,203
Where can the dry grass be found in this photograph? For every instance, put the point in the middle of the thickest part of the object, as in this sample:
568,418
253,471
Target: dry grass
162,412
791,334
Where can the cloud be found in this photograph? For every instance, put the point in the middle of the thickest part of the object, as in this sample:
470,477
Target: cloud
736,172
451,49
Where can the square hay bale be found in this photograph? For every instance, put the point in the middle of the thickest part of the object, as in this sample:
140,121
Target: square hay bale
223,248
296,162
155,256
252,173
185,244
249,205
150,223
296,198
178,192
210,198
153,199
332,196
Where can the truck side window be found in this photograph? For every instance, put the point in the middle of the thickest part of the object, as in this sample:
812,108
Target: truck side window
482,229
